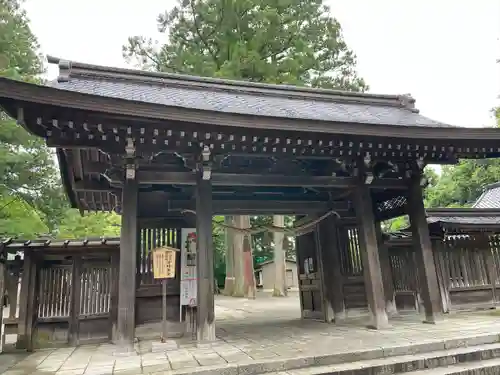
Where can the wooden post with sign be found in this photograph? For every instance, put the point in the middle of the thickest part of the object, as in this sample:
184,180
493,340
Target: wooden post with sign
164,268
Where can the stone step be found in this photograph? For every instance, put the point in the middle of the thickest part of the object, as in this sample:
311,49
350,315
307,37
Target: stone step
416,355
412,364
487,367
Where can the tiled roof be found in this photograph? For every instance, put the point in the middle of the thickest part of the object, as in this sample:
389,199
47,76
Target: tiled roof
490,197
485,211
466,220
280,101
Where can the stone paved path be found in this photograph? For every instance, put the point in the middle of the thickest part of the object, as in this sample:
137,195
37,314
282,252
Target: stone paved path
252,331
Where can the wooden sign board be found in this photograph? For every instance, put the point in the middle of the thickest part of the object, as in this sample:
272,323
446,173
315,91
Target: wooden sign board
164,263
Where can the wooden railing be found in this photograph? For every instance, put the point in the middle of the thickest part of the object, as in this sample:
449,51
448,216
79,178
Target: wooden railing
403,270
95,294
54,292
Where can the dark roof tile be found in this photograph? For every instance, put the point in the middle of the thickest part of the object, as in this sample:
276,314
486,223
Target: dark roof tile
240,97
490,197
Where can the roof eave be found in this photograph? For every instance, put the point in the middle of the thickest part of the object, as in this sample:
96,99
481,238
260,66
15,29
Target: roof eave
43,95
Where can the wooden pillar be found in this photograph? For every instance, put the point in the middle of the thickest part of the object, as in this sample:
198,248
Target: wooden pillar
424,254
444,280
27,303
322,250
76,286
13,286
127,274
331,267
385,264
229,281
338,279
299,243
205,262
372,272
113,310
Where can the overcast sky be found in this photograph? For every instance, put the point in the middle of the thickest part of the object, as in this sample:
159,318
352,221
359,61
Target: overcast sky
443,52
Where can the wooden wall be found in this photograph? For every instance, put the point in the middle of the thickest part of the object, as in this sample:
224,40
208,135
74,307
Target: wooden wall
467,265
74,299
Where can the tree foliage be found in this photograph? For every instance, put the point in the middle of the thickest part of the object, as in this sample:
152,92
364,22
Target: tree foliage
19,57
27,166
281,41
98,224
461,184
32,201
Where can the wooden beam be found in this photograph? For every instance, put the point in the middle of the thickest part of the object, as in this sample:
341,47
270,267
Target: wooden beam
205,262
222,207
128,249
236,179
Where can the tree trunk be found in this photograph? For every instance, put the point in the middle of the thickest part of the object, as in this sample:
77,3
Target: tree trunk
280,288
229,281
244,285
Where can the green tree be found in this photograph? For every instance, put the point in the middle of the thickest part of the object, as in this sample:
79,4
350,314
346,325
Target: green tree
97,224
27,166
281,41
19,57
462,184
19,219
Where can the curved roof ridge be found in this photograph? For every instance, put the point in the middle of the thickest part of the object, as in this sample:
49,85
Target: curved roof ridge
72,69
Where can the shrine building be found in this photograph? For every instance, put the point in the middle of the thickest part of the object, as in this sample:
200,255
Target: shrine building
169,151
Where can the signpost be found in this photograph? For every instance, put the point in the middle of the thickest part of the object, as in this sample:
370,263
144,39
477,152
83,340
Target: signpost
164,268
188,278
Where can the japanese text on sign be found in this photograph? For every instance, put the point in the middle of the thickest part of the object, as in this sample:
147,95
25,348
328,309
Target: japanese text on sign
164,263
